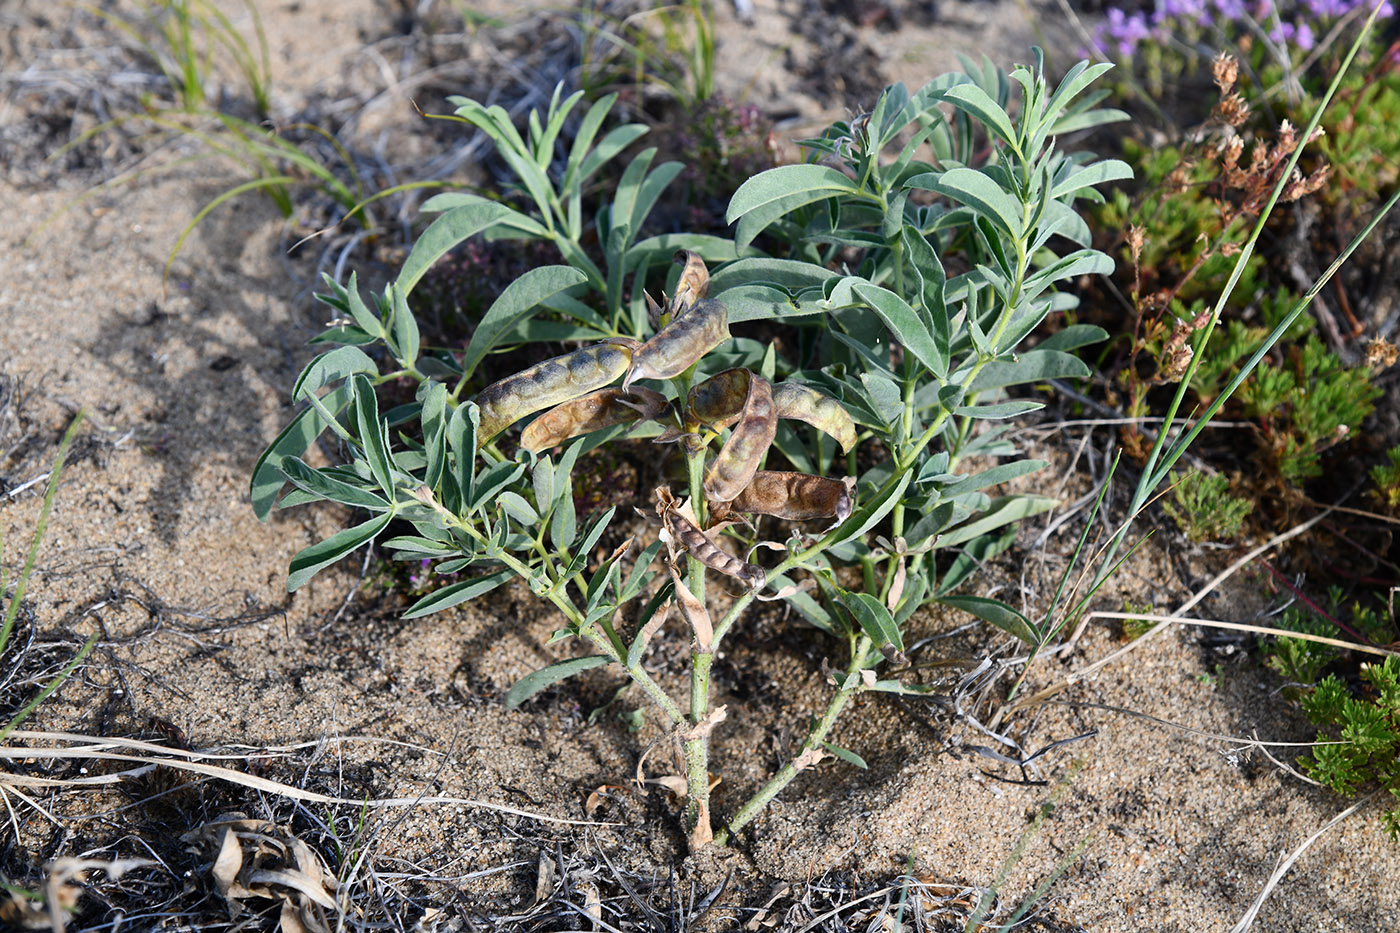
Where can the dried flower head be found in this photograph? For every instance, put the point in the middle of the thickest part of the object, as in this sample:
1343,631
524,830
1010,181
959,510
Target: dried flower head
1135,241
1225,69
1381,353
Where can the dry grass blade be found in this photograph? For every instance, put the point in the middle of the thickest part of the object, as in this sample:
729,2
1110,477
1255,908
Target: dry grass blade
1244,627
1247,920
93,747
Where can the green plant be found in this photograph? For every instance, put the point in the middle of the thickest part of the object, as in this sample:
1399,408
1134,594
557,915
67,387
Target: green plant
1386,478
1369,748
12,594
1202,506
670,47
900,360
1303,661
554,213
187,40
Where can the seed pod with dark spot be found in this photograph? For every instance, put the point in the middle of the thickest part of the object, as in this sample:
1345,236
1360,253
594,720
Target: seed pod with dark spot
797,401
592,412
547,384
753,434
795,497
694,282
718,400
673,349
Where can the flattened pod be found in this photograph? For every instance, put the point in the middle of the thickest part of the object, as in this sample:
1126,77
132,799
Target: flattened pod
694,283
547,384
601,409
796,497
797,401
699,546
739,457
719,399
673,348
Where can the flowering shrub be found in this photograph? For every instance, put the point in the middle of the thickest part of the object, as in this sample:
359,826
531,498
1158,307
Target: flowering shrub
1290,26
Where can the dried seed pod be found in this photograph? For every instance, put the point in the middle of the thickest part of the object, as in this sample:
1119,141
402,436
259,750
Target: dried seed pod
753,434
694,283
718,400
797,401
699,546
680,343
796,497
601,409
547,384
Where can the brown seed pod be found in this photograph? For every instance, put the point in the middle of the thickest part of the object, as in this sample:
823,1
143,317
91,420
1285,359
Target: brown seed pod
753,434
699,546
547,384
796,497
601,409
718,400
694,283
680,343
797,401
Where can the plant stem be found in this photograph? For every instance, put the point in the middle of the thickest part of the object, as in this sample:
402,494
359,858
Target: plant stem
817,734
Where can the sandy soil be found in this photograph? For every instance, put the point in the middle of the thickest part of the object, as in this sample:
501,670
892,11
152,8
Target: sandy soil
152,544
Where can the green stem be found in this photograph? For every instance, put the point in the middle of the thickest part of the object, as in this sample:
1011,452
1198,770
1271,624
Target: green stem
815,737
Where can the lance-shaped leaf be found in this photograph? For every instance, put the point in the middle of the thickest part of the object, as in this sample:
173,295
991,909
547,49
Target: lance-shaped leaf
457,593
531,684
520,298
795,497
741,454
592,412
547,384
322,554
998,613
673,349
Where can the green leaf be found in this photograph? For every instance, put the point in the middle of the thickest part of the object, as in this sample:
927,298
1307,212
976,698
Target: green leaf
450,229
326,487
1002,511
516,506
978,191
1032,366
772,194
370,429
972,100
904,322
461,443
590,538
434,419
846,755
993,476
531,684
1074,337
1000,410
457,593
294,441
997,613
870,512
332,367
403,326
519,298
312,560
873,617
974,555
1096,173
